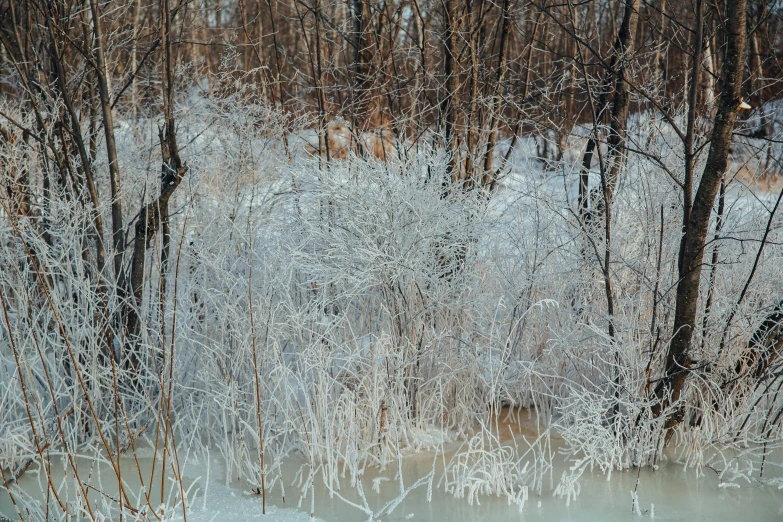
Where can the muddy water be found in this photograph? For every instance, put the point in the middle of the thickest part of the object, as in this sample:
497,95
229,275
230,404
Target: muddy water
669,493
99,481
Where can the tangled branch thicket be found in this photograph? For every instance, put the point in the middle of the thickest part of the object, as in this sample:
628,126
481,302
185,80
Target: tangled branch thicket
316,257
389,314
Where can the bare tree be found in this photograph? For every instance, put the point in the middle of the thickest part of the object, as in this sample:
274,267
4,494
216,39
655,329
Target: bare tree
678,360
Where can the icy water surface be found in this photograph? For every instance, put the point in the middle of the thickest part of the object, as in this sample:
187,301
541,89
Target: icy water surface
675,493
669,493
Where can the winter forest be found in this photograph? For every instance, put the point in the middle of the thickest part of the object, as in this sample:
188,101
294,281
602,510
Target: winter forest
391,259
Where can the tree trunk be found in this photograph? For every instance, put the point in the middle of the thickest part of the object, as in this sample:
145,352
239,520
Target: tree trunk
619,122
678,359
657,57
616,77
690,132
111,148
448,102
495,104
154,216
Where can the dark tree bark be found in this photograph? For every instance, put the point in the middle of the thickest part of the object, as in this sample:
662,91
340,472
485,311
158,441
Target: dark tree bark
624,48
495,106
678,359
616,80
154,216
448,102
146,228
764,346
118,239
690,131
358,67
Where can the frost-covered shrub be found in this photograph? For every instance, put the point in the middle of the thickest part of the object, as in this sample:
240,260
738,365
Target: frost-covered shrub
350,312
